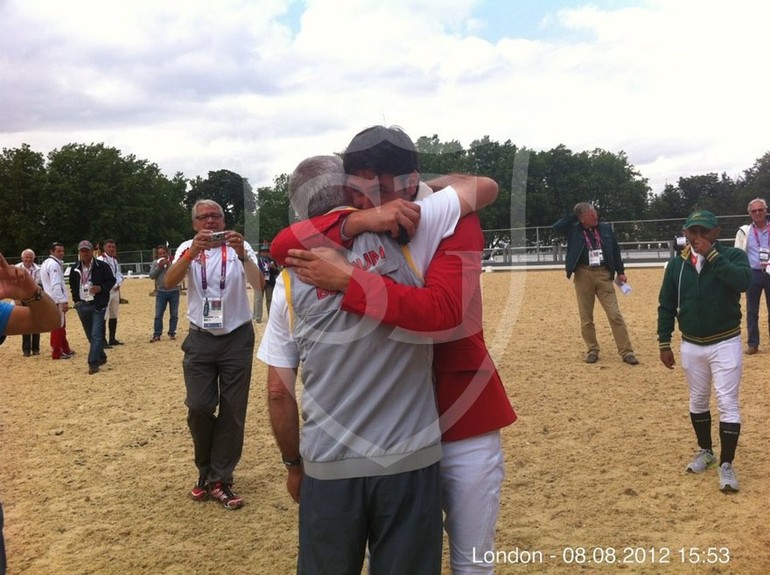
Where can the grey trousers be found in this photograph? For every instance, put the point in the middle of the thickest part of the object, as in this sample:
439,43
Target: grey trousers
217,375
398,517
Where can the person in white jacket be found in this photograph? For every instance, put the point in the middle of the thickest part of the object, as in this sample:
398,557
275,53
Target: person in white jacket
110,256
754,239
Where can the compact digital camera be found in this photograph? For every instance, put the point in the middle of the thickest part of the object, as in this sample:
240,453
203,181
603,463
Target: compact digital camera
217,237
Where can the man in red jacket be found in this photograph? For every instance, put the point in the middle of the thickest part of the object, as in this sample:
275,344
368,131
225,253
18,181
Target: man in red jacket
472,401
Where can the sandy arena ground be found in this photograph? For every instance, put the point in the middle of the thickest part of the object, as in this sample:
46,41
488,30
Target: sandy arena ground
95,469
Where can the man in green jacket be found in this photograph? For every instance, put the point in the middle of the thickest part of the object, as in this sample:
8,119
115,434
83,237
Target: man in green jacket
702,289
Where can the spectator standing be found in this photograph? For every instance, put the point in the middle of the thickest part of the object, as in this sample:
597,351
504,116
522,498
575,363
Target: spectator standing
270,271
593,256
30,342
164,297
91,281
754,239
52,280
110,257
219,348
702,290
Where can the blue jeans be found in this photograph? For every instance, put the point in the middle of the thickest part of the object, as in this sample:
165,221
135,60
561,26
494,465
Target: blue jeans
760,281
162,299
93,324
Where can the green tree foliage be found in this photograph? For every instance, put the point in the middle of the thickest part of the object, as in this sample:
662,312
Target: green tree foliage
755,184
23,201
495,160
719,194
274,212
670,203
484,157
95,192
437,157
230,190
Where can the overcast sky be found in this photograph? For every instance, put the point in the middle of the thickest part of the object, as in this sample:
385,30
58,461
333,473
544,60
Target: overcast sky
255,86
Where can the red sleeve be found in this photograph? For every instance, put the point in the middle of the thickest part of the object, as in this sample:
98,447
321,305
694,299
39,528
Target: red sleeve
451,281
325,230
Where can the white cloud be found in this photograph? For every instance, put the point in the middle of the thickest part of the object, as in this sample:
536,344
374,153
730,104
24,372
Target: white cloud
199,86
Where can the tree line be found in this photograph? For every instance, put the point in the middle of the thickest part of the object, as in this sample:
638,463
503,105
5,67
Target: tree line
94,191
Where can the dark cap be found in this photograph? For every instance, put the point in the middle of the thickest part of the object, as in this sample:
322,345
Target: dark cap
264,248
702,218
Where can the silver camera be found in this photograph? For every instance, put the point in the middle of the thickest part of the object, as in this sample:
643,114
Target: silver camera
217,237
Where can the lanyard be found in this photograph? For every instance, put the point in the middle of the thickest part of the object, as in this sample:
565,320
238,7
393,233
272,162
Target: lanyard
85,274
756,235
596,236
223,271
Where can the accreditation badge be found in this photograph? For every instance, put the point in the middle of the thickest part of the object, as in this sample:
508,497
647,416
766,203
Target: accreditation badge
213,314
85,291
595,257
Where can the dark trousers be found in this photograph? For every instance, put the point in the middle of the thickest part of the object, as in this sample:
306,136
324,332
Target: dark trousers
217,376
93,325
398,517
760,281
30,343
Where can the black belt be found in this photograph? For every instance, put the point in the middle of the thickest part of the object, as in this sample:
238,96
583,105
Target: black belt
194,327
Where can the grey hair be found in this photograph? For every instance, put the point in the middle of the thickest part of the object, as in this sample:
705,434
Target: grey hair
210,203
581,208
28,251
317,185
755,201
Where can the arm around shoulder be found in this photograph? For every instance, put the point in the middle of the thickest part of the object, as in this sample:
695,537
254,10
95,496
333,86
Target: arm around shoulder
474,192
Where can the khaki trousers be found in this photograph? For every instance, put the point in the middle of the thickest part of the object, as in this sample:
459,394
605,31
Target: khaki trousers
592,283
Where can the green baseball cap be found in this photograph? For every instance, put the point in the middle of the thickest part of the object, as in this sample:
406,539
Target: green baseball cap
702,218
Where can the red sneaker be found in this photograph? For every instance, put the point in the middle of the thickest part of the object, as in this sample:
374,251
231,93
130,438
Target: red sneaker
223,493
201,490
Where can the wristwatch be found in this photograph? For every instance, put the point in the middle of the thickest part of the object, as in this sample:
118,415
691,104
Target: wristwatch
292,463
37,297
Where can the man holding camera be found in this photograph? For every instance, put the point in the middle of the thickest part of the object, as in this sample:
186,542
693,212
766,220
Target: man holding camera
219,347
